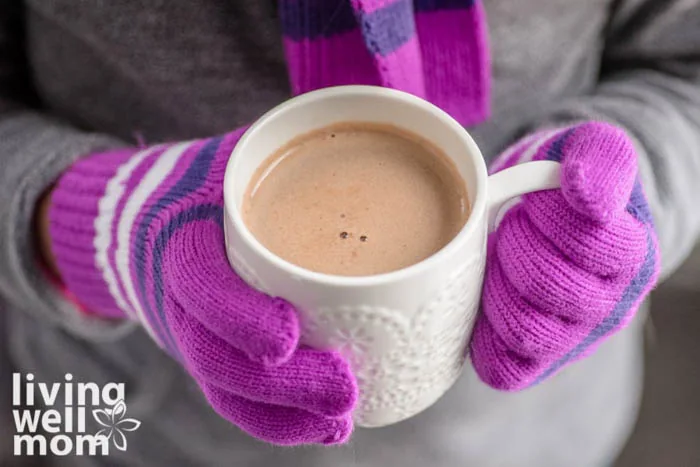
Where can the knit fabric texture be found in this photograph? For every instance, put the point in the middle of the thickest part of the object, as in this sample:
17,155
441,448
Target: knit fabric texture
566,268
138,233
434,49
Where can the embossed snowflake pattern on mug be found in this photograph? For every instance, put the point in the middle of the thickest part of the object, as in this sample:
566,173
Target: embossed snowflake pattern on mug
437,342
404,360
364,335
356,332
450,302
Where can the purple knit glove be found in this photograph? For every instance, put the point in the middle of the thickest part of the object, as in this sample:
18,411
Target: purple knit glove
566,268
138,233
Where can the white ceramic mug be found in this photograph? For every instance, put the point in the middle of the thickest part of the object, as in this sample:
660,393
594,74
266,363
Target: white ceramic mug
405,333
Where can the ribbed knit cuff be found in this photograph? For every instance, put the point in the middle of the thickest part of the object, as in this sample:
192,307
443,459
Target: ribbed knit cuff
75,204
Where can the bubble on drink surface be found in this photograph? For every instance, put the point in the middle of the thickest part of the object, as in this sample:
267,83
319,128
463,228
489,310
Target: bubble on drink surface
344,235
363,238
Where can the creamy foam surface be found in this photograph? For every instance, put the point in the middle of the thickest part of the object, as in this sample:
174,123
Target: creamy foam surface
356,199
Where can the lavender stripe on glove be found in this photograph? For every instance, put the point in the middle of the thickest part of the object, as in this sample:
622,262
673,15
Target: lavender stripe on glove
138,234
566,268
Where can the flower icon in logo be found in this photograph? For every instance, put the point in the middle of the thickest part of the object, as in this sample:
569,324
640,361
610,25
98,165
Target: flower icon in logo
114,423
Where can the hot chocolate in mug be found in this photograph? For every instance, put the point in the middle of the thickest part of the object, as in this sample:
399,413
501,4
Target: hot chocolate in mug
404,332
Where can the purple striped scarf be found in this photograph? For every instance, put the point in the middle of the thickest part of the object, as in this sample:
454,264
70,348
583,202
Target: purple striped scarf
434,49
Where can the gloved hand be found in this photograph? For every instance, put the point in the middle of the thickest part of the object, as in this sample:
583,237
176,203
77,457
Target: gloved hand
566,268
138,233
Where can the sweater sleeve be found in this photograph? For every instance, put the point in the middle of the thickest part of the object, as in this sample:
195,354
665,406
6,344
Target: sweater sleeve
650,86
34,150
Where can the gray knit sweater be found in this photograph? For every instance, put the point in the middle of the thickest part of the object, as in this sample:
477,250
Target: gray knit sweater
78,76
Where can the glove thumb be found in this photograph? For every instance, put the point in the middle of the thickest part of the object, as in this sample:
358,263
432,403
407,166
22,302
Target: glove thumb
599,169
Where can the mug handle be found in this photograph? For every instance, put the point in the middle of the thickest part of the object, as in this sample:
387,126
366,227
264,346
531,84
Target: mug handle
519,180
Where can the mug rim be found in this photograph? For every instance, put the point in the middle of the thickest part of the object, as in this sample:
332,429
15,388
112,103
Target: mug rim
478,208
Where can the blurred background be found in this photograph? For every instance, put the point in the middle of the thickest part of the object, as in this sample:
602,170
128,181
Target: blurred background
668,430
